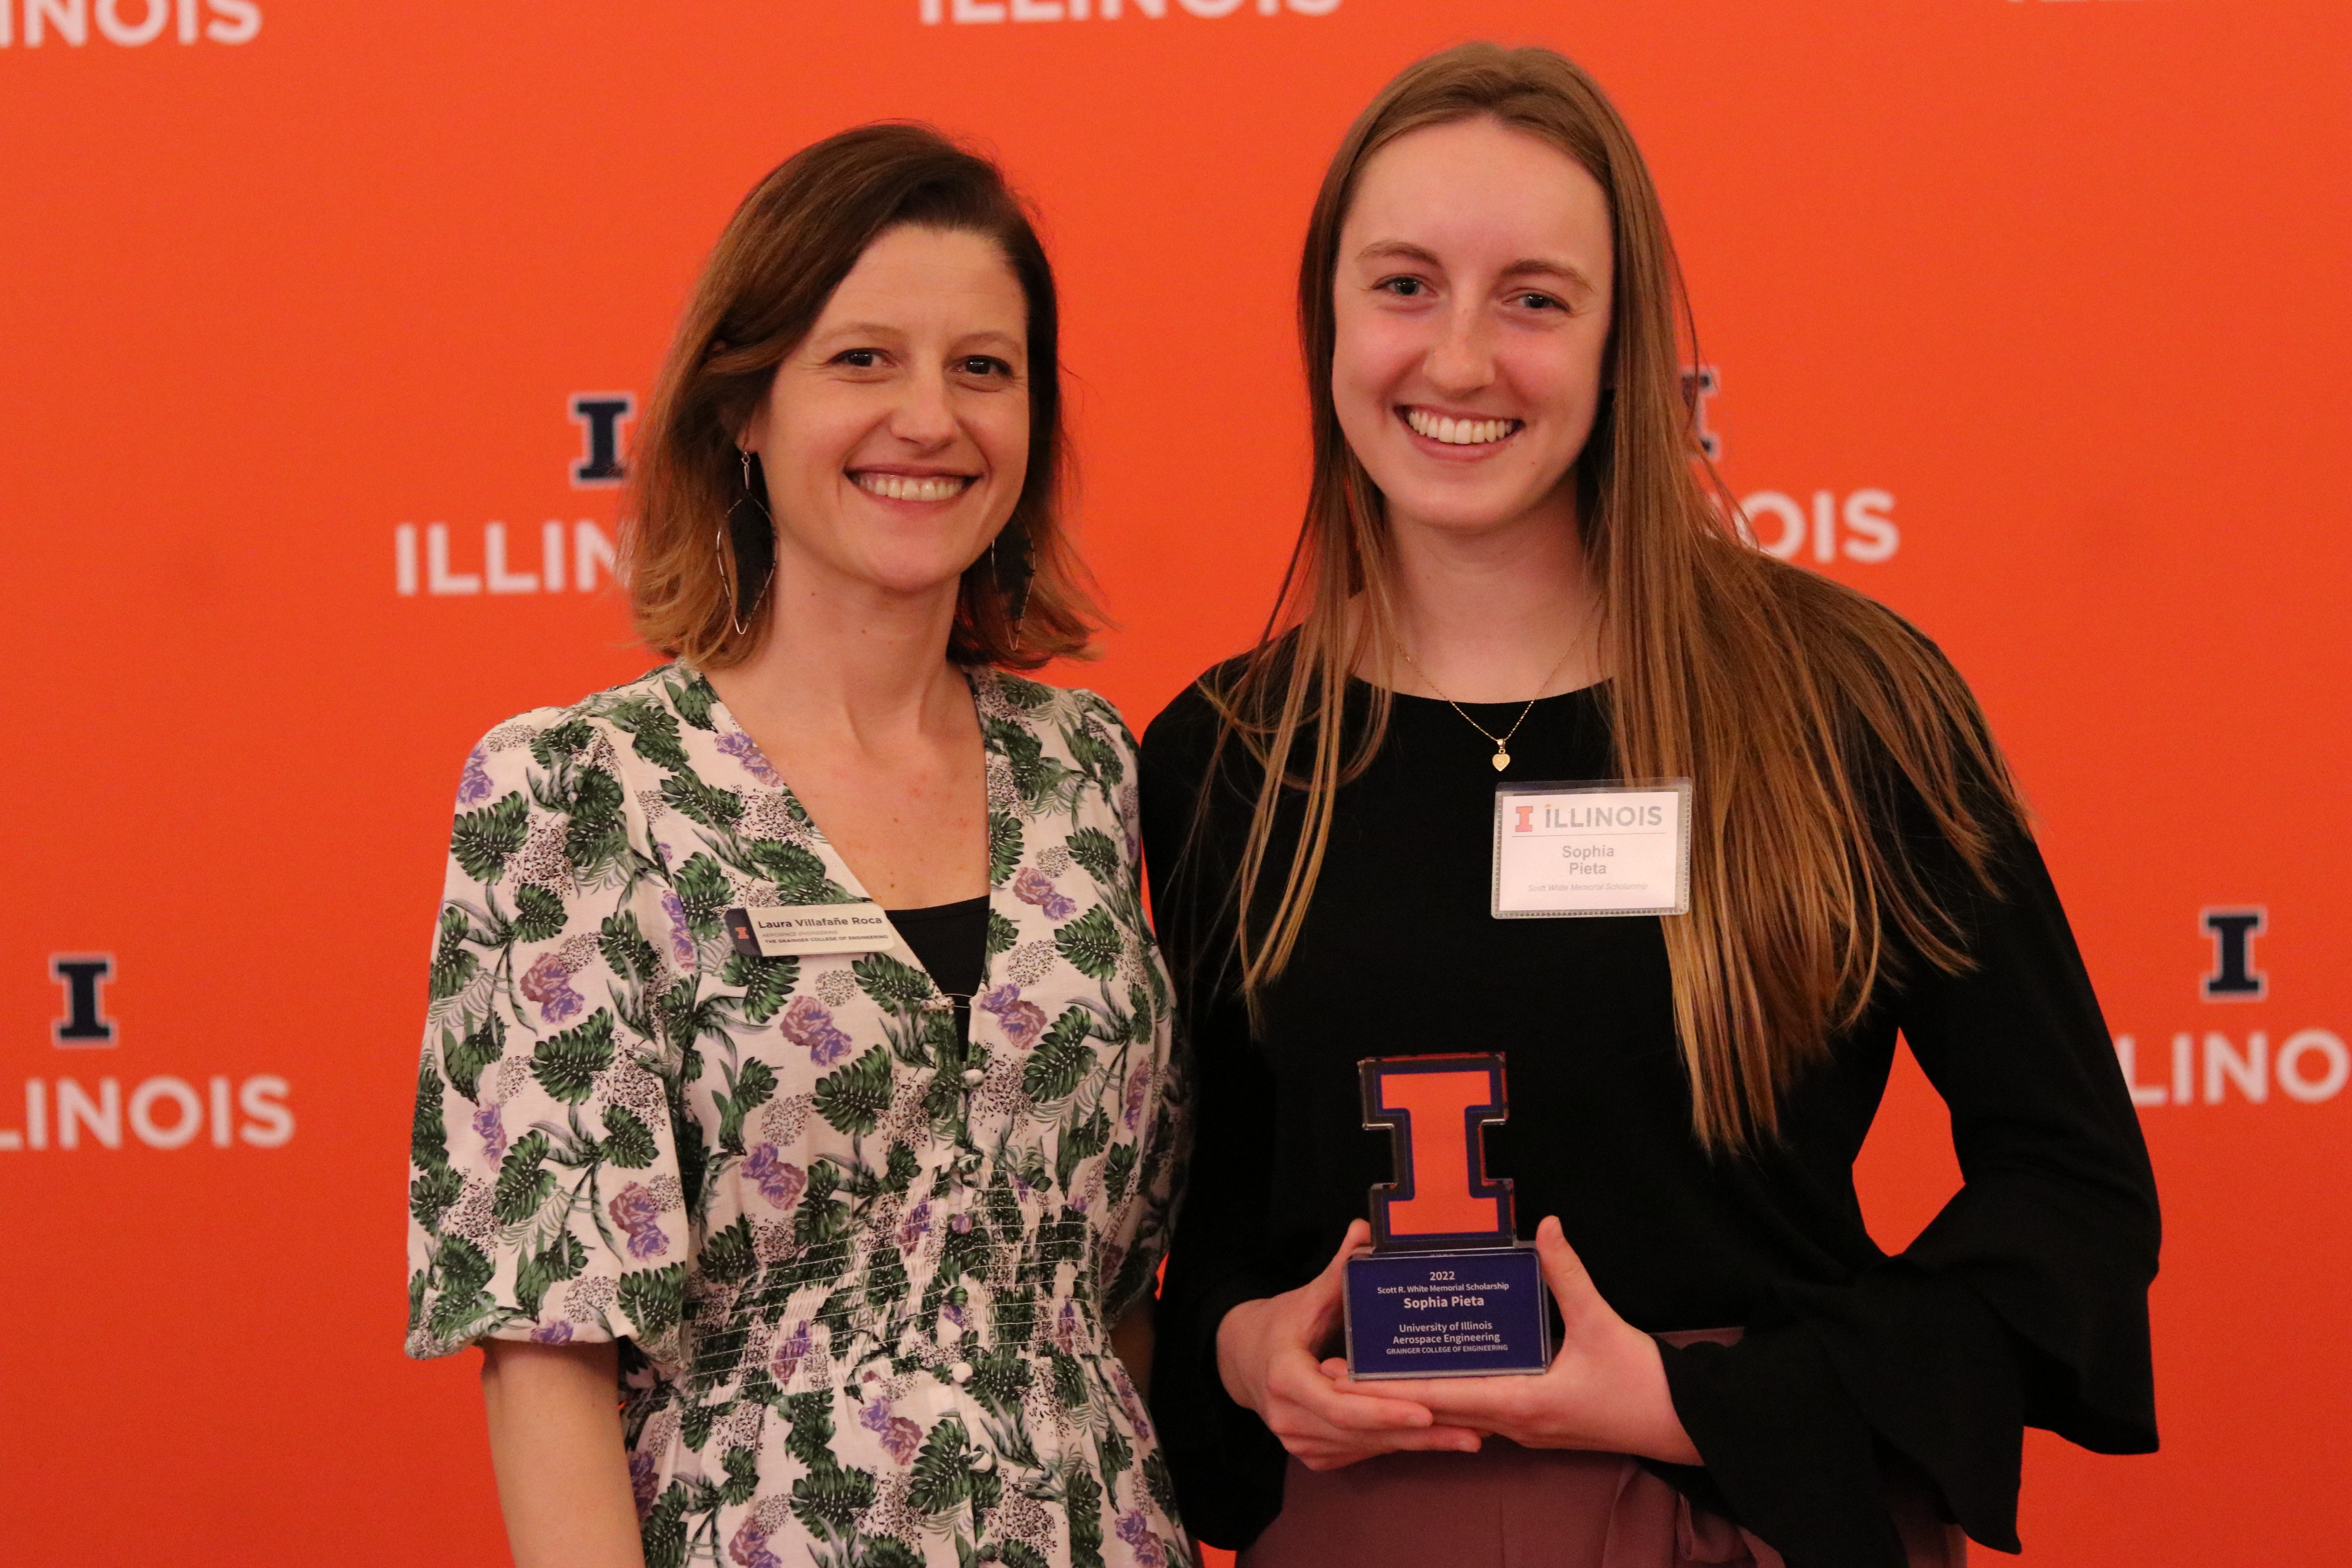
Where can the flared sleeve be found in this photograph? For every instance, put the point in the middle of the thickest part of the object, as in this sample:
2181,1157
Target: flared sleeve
544,1192
1228,1467
2023,1303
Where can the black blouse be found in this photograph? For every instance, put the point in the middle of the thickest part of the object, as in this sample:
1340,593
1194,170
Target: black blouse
2023,1303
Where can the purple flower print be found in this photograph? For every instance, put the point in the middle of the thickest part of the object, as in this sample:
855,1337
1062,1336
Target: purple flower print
1131,1402
1136,1530
790,1350
901,1437
547,984
1024,1021
779,1182
558,1332
746,751
1138,1085
491,1126
749,1546
1033,887
474,783
916,1226
636,1210
960,1224
644,1482
1065,1329
681,941
808,1025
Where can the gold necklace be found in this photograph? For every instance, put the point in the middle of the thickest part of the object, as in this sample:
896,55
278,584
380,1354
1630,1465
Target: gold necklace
1502,757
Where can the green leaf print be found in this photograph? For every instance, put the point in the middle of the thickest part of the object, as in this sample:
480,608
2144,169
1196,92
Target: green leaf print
482,841
1061,1060
1000,1376
453,966
1004,847
702,891
561,1260
1092,847
694,700
428,1135
808,1418
653,1298
1013,1554
523,1181
1001,934
1084,1497
1091,944
664,1530
828,1500
1093,754
799,875
766,983
539,915
569,739
654,733
566,1065
1118,1169
727,1257
1160,1481
895,986
754,1085
702,802
1028,696
853,1100
463,1303
628,1141
820,1217
940,1479
1079,1142
433,1194
742,1476
467,1058
625,949
888,1551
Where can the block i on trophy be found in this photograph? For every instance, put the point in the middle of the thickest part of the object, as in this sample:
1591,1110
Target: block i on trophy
1447,1288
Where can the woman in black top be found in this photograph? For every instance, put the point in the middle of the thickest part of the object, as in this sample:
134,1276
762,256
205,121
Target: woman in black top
1509,568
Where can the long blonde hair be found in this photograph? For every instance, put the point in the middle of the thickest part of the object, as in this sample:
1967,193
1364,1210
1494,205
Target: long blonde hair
1762,682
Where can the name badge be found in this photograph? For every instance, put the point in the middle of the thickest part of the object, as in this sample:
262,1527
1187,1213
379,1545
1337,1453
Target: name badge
1566,849
782,929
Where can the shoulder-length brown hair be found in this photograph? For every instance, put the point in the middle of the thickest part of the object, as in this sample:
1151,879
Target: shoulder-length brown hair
1764,684
788,246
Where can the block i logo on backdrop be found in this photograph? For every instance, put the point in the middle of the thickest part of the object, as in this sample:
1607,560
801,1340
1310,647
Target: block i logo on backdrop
163,1112
2309,1065
574,556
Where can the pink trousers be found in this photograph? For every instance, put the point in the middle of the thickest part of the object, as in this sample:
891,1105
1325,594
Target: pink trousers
1508,1507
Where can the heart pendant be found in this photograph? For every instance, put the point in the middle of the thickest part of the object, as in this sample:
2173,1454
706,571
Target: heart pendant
1502,760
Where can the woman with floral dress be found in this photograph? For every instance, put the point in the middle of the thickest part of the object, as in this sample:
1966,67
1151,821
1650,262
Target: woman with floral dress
782,1245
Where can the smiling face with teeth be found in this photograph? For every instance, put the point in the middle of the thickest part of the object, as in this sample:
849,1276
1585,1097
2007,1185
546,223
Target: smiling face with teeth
896,435
1471,317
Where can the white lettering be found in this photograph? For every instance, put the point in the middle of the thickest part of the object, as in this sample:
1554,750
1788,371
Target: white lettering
71,18
1865,516
404,549
2127,1051
239,21
2250,1071
154,16
551,554
185,1126
1792,522
590,550
980,10
2330,1048
494,564
438,578
221,1127
263,1099
75,1112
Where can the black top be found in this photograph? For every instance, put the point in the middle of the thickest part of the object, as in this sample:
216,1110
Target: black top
2023,1303
951,940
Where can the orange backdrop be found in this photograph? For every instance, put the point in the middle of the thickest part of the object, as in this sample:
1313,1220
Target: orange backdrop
2025,317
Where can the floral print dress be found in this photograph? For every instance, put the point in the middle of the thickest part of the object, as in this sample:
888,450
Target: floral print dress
862,1273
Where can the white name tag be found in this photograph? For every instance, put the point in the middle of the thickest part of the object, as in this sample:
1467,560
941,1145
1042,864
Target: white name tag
1565,849
782,929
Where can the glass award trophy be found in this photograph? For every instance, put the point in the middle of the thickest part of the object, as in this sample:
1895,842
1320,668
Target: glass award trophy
1447,1288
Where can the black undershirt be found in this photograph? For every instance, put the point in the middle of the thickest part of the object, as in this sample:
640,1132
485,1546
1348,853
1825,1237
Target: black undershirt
2023,1303
951,940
